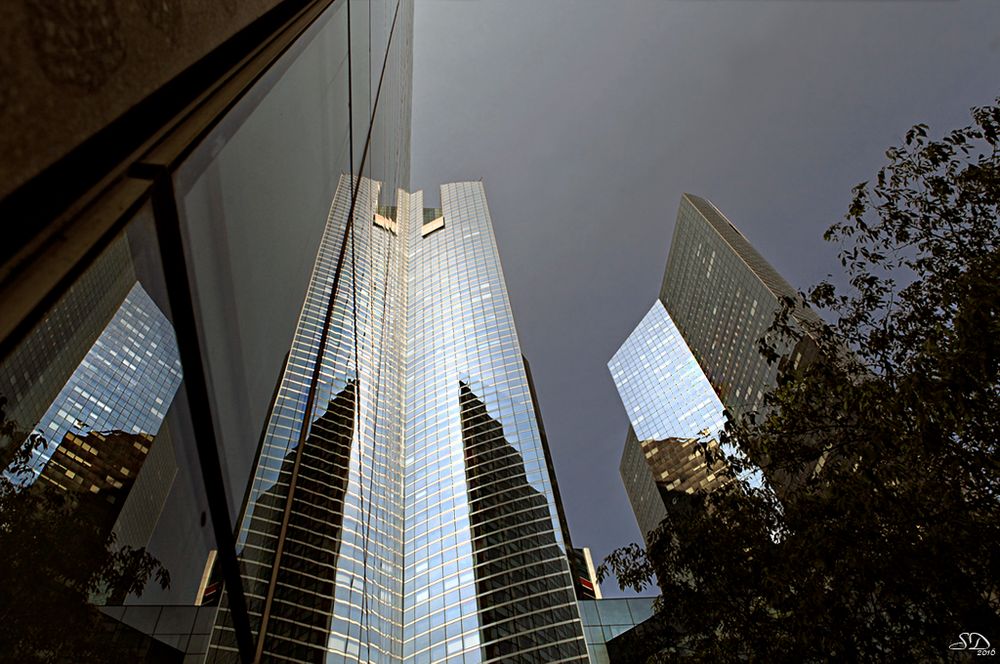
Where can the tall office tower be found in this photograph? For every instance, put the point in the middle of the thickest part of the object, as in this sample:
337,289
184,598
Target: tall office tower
100,425
669,403
121,384
402,508
695,353
723,295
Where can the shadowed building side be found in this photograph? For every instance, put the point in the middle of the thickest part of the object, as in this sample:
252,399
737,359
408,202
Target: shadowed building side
683,466
723,296
520,568
304,591
640,487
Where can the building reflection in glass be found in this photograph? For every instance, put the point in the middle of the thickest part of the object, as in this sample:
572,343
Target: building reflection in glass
520,568
304,590
124,383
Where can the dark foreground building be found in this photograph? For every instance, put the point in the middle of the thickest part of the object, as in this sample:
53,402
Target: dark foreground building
193,154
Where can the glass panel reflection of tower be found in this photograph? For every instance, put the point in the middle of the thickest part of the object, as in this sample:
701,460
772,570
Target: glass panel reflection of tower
415,515
125,383
668,399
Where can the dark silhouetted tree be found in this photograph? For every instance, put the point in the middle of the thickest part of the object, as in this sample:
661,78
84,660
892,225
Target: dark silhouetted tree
55,559
888,546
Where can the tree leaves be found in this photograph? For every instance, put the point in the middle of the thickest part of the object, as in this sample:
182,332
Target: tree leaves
55,561
884,542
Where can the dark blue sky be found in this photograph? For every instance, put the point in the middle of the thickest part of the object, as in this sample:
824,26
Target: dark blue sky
587,120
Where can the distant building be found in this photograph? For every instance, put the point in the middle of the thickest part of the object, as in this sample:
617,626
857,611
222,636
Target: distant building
696,353
670,405
723,295
640,486
681,464
581,564
35,371
101,468
100,425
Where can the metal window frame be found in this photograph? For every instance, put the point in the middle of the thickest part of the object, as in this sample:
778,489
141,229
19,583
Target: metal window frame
60,239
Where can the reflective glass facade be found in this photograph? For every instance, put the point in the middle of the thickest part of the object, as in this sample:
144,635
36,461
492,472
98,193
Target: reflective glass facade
660,383
723,295
481,510
34,373
640,486
696,353
604,619
125,382
413,518
100,426
213,206
666,396
100,379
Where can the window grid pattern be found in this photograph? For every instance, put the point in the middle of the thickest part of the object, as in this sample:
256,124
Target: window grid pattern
125,382
604,619
722,296
462,333
661,384
337,597
380,559
666,395
640,486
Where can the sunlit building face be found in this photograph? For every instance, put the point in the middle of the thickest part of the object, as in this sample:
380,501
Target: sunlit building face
402,509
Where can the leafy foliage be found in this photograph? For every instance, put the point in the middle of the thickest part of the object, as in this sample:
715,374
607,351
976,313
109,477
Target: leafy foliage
55,559
884,546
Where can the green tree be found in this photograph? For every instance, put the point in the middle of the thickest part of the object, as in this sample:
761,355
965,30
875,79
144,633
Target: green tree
55,559
888,545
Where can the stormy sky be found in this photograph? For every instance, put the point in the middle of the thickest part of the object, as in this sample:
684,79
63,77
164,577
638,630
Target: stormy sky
588,120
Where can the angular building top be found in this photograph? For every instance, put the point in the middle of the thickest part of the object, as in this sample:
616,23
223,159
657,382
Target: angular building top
722,295
403,508
738,244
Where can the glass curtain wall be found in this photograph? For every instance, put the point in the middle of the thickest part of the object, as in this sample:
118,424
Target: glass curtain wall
134,407
481,518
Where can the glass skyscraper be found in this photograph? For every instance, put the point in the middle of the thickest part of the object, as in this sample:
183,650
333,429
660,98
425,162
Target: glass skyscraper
696,353
723,295
669,403
215,204
402,508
